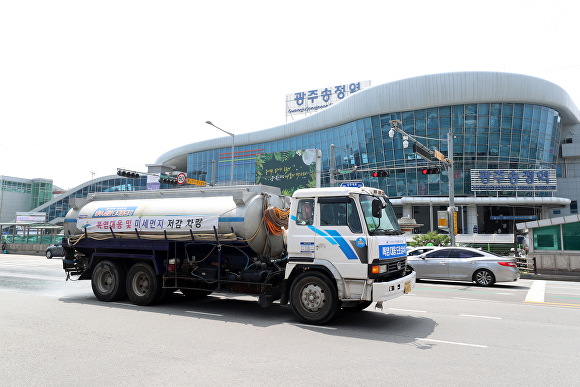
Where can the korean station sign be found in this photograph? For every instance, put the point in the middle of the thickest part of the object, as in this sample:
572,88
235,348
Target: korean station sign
312,101
513,180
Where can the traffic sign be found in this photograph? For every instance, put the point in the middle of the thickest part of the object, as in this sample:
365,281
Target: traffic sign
355,184
196,182
181,178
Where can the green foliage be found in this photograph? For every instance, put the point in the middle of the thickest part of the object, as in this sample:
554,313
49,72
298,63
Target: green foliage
431,237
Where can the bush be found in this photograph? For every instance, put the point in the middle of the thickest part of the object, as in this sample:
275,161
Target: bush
431,237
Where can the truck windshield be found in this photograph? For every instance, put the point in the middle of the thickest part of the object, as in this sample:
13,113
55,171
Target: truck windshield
386,224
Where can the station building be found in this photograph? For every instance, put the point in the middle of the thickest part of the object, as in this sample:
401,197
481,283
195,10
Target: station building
505,128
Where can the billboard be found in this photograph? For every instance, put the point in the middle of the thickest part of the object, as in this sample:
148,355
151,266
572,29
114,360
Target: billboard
311,101
290,170
513,180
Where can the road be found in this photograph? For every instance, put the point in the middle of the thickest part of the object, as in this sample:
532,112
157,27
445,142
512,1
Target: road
54,332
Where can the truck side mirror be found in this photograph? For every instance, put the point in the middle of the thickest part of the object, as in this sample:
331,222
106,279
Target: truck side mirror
377,208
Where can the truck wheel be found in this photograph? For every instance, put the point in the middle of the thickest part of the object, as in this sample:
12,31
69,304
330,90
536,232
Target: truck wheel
143,286
313,298
108,281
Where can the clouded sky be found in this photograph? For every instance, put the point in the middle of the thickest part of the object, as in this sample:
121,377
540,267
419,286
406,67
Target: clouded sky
89,86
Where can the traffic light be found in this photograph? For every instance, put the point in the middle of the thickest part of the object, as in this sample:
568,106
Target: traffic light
167,180
126,173
431,171
380,173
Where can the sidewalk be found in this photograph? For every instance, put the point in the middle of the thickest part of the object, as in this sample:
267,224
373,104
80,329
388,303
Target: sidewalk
575,277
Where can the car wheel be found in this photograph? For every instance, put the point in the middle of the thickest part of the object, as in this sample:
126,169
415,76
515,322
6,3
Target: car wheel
484,277
313,298
108,281
48,254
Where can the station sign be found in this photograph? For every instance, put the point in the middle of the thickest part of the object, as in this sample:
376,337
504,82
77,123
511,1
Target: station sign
311,101
513,180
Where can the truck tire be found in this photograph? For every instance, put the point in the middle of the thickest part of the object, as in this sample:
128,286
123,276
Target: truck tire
108,281
143,286
314,298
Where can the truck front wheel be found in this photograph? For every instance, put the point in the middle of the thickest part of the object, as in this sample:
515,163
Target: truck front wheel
314,298
108,281
143,286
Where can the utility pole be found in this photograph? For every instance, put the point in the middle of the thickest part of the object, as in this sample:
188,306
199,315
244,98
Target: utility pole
426,153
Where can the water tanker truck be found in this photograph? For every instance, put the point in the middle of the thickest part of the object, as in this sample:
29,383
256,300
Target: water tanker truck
321,250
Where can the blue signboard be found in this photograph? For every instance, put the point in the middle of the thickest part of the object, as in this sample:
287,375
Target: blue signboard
356,184
513,180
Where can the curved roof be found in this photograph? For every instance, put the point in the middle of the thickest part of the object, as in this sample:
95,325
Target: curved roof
404,95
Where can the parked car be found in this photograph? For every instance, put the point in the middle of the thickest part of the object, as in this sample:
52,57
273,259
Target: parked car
54,250
464,264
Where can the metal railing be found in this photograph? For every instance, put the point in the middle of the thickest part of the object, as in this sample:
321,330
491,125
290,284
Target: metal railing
527,265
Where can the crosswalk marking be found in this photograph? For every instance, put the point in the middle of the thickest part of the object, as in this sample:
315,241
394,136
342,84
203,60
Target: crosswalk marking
537,291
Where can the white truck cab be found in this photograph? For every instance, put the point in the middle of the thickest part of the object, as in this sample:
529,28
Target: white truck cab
351,236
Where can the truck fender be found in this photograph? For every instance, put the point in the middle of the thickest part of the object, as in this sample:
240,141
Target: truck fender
321,265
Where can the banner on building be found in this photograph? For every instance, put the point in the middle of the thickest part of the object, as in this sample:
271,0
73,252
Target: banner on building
513,180
312,101
289,170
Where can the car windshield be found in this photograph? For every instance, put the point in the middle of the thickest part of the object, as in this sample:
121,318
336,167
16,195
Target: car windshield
387,224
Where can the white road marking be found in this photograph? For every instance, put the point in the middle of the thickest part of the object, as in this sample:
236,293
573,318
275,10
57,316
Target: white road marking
536,292
452,342
205,314
314,326
473,315
474,299
124,304
409,310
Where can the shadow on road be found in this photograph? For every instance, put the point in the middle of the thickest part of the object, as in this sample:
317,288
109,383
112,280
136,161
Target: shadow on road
369,324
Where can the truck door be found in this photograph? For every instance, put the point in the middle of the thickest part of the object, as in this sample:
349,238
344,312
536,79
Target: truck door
338,235
301,239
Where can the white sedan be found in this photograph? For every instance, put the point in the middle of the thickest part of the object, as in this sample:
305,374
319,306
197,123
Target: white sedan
463,264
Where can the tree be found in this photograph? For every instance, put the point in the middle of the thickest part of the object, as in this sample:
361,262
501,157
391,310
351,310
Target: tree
431,237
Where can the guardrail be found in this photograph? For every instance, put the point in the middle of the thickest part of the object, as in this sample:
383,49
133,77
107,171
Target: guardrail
527,265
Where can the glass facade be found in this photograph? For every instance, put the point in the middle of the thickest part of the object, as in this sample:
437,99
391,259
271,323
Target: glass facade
485,136
60,208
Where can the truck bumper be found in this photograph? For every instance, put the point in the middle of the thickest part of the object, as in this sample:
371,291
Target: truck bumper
384,291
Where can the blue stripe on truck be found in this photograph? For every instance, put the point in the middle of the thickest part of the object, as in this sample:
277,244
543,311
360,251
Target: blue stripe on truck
231,219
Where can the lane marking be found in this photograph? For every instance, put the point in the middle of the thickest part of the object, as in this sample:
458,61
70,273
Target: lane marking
536,292
474,299
408,310
315,326
553,304
205,314
473,315
452,342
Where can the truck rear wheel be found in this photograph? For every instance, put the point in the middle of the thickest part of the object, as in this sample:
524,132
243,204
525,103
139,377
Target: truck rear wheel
314,298
108,281
143,286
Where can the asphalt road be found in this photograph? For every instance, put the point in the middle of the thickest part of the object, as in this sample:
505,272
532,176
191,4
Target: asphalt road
54,332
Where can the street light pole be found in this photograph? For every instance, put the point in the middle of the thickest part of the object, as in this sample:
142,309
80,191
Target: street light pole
232,164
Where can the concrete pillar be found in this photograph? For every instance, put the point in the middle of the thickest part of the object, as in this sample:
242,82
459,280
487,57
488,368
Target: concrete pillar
471,217
545,212
407,210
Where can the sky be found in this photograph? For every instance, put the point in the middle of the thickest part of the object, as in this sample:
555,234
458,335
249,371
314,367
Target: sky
87,87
